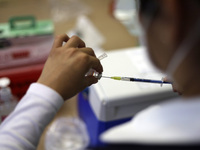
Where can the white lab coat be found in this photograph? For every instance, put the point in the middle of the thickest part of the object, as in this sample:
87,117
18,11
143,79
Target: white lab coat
176,121
23,127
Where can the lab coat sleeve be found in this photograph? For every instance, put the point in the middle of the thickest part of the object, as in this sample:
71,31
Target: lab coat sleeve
23,127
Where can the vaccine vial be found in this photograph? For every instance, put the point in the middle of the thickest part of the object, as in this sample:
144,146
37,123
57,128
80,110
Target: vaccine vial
93,72
7,100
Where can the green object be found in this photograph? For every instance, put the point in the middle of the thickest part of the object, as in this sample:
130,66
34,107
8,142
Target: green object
116,78
25,22
24,26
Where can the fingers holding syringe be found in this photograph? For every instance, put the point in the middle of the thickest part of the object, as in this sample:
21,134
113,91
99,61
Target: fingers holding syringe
75,42
89,80
88,51
94,62
59,39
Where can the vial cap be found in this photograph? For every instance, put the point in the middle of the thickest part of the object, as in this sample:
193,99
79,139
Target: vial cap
4,82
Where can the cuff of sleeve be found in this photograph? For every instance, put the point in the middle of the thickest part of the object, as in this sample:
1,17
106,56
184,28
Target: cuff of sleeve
46,93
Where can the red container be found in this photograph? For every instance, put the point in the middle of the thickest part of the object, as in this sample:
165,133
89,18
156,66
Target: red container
22,77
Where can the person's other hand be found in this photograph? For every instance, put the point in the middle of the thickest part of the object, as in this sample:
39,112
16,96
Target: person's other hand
66,66
174,86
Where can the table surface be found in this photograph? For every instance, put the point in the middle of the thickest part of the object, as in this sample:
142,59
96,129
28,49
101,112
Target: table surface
114,32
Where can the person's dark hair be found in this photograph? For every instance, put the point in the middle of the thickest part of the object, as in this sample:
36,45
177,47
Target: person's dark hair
148,8
151,7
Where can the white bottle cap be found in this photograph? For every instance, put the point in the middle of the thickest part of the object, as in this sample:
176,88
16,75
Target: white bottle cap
4,82
5,91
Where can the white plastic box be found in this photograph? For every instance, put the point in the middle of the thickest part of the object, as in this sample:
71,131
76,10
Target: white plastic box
111,100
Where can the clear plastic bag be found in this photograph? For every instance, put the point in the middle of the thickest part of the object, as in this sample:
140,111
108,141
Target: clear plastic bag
67,134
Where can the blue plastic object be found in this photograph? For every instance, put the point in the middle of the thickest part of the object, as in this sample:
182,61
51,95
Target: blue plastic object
94,126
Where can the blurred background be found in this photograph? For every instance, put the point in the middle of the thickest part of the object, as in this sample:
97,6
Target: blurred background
27,29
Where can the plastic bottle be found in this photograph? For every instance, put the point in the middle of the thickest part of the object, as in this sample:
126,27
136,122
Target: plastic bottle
7,100
67,133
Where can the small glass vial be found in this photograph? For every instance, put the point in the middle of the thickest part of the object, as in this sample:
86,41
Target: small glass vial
7,100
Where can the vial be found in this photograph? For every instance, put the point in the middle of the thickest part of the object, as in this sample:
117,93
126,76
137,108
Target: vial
8,102
93,72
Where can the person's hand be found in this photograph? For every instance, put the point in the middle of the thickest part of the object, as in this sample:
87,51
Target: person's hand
174,86
67,64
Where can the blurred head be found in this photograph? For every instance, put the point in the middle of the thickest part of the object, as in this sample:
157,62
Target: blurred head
168,25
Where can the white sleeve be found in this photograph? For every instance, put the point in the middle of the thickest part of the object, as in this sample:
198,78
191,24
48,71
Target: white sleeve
22,129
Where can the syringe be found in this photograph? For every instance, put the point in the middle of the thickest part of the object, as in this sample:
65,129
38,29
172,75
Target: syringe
99,76
137,80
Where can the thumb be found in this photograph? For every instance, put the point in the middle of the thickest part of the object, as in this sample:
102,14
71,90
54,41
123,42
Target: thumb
89,80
